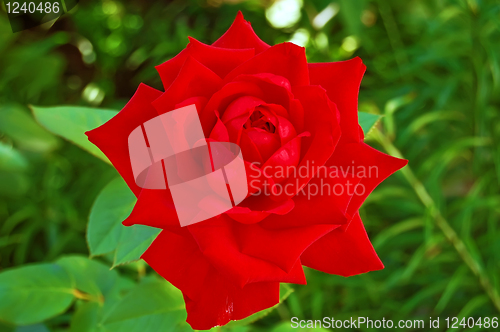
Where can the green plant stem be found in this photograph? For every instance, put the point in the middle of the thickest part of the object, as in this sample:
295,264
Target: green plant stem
393,33
441,222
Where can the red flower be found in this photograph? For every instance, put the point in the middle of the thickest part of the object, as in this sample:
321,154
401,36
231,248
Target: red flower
297,126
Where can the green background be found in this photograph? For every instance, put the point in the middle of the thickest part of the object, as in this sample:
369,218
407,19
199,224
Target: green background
433,73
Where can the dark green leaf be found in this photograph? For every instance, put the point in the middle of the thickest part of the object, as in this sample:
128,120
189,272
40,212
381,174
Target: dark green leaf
112,206
85,318
22,128
106,233
72,122
90,276
31,294
32,328
155,305
11,159
367,121
134,242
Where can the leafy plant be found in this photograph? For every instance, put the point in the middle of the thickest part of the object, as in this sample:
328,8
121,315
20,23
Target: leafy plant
430,94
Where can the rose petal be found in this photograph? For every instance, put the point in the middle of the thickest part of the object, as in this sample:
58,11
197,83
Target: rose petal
198,101
325,133
343,253
297,115
285,59
223,98
241,35
272,111
341,80
210,299
276,89
242,106
154,208
219,60
194,80
285,130
227,257
219,132
281,247
249,150
269,78
284,160
368,164
222,302
266,143
246,215
322,201
177,258
248,87
169,70
112,137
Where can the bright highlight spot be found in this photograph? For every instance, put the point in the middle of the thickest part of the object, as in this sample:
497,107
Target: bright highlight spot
284,13
300,37
85,47
93,94
321,40
109,7
325,15
350,44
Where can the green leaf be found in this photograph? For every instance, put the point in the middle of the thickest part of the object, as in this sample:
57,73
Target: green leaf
24,131
32,328
154,305
90,276
105,232
72,122
85,318
367,121
134,242
11,159
33,293
102,288
113,204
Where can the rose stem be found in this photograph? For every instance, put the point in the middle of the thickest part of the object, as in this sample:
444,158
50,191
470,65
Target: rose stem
448,231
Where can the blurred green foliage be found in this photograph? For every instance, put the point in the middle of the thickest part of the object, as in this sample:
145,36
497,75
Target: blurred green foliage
433,73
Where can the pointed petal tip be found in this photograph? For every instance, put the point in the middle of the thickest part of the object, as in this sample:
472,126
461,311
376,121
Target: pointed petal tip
399,163
375,266
357,59
239,16
241,35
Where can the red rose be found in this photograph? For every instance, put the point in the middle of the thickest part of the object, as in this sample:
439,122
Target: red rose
297,126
